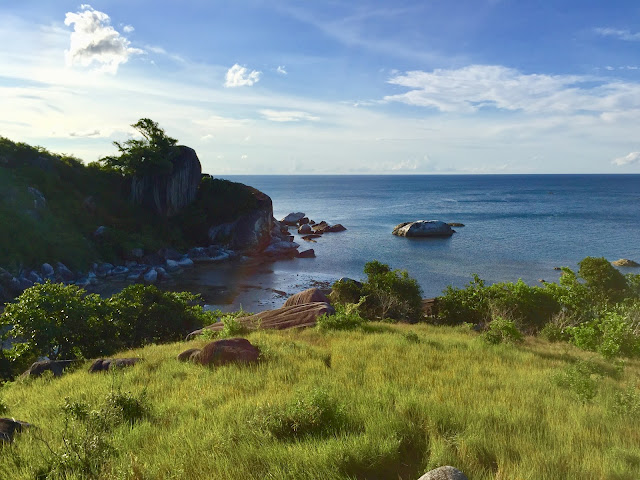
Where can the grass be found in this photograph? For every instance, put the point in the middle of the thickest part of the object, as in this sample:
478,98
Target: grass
389,401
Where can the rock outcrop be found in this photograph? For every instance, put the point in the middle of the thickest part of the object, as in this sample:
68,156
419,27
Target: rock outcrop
222,352
293,316
444,473
310,295
423,228
10,426
250,233
167,194
625,262
56,367
103,365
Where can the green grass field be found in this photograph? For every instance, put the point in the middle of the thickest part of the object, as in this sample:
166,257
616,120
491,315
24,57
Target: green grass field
387,402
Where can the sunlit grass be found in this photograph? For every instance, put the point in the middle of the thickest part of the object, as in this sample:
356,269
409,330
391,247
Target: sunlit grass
396,406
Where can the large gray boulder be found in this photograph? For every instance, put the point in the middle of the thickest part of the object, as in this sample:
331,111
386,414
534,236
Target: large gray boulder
293,218
423,228
444,473
167,194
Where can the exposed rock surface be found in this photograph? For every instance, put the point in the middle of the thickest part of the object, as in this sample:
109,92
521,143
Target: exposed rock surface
10,426
167,194
293,218
304,229
444,473
102,364
310,295
250,232
625,262
54,366
423,228
222,352
455,224
307,253
292,316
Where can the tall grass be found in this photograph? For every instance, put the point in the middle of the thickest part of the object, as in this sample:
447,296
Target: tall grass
389,401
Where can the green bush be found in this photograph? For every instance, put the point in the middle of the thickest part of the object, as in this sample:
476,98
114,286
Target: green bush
611,335
580,378
345,291
57,321
502,330
345,318
603,280
144,314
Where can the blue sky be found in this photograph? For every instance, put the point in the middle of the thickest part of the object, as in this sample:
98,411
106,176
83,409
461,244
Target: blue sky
321,87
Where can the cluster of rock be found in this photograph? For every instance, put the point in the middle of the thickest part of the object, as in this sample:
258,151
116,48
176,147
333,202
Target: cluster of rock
423,228
625,262
308,228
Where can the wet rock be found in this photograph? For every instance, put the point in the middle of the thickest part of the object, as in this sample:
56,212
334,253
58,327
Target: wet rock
185,262
282,248
455,224
120,270
293,218
307,254
47,270
64,273
304,229
151,276
311,238
625,262
444,473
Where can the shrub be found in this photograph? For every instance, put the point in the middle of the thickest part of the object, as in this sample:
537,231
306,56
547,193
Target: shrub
602,279
345,291
502,330
231,327
144,314
345,318
464,305
312,412
579,378
611,335
57,321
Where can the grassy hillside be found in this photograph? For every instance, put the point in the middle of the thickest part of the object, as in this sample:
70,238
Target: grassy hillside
386,401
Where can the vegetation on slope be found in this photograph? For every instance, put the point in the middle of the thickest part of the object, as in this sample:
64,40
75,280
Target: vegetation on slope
387,401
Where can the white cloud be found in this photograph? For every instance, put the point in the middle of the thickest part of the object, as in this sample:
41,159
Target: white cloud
238,76
128,29
91,133
207,137
286,115
619,34
94,40
281,70
472,88
630,159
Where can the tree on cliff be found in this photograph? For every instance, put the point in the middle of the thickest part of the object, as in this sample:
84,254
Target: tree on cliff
150,155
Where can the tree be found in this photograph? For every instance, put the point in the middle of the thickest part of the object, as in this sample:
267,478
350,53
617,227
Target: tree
152,154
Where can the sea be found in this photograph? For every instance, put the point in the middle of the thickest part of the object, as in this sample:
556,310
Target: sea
515,227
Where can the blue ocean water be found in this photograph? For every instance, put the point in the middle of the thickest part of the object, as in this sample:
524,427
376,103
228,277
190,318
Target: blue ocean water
516,226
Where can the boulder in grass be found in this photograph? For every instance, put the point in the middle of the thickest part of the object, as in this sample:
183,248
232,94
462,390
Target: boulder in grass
10,426
625,262
423,228
105,364
311,295
54,366
292,316
222,352
444,473
293,218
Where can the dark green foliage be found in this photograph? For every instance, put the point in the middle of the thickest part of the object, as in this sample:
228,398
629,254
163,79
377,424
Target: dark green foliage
57,321
312,412
345,291
464,305
581,378
144,314
602,279
613,334
152,154
502,330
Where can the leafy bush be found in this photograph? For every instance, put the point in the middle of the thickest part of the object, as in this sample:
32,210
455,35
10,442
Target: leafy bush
345,318
502,330
312,412
345,291
611,335
627,402
602,279
231,327
57,321
145,314
580,378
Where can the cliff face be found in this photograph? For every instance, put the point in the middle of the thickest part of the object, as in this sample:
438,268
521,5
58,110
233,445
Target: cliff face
250,232
167,194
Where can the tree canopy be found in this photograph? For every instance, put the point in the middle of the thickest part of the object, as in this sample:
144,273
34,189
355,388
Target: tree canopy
151,154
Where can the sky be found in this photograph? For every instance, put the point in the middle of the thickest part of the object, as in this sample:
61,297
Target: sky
332,87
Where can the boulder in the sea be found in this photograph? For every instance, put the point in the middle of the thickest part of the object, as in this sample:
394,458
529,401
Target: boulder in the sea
320,228
311,238
444,473
151,276
222,352
310,295
307,254
455,224
105,364
293,218
281,248
338,227
625,262
293,316
423,228
304,229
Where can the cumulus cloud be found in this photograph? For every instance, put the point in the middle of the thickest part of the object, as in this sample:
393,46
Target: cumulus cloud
95,41
286,115
281,70
128,29
91,133
475,87
238,76
630,159
619,34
